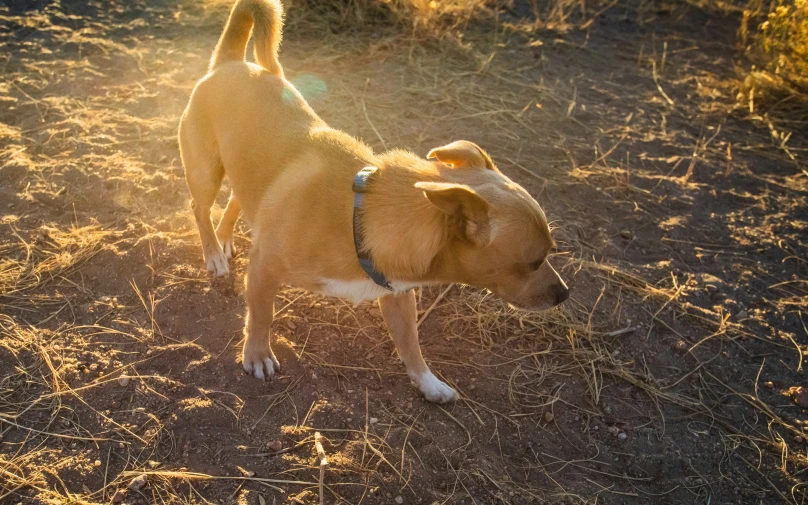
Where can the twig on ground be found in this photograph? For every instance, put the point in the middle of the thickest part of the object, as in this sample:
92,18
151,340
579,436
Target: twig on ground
323,461
433,305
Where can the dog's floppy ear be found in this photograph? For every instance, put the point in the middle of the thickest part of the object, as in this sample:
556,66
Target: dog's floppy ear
462,153
466,209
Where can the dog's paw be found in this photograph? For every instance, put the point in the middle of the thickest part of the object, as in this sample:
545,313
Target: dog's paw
217,263
435,390
226,241
260,364
229,250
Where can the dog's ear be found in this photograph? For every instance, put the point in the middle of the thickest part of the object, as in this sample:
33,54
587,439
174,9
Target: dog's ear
466,209
462,153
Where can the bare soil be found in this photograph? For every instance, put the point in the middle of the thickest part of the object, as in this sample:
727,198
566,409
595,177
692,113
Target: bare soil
670,376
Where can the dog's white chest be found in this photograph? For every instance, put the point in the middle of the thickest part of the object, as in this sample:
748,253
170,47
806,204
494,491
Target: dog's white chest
360,290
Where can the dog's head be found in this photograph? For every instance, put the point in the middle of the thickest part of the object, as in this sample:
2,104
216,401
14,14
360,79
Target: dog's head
498,237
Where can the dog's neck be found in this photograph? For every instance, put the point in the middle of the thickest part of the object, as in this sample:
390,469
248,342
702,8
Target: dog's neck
403,231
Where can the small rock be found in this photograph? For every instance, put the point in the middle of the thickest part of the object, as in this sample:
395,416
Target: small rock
626,234
291,324
275,445
614,430
548,416
137,483
799,394
622,436
740,316
798,439
681,346
373,420
153,464
768,384
399,499
123,380
97,463
119,496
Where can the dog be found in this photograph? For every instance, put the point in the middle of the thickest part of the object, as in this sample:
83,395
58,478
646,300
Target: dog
331,216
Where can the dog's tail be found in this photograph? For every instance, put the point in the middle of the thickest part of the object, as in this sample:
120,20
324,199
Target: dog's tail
265,17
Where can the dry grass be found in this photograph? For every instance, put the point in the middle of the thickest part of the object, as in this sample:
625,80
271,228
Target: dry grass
438,19
421,17
775,35
51,253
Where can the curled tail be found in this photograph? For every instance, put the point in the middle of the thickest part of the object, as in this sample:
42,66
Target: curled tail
265,17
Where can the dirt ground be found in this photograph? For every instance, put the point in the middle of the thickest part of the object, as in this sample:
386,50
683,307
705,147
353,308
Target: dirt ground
671,376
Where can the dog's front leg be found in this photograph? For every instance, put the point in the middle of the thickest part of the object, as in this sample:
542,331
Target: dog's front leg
399,312
258,358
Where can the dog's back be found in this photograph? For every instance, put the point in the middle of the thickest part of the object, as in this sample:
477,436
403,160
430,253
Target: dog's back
239,104
250,122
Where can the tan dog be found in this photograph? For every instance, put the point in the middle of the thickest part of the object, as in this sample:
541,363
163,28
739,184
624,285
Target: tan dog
455,219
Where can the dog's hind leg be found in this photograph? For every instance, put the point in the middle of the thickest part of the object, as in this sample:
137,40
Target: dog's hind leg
399,312
203,173
224,231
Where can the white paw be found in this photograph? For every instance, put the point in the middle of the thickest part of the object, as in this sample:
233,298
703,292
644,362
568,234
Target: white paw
217,263
260,364
435,390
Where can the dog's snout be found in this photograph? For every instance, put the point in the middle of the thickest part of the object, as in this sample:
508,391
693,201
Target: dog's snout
562,292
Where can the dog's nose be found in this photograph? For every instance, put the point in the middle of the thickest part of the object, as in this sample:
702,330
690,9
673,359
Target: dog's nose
562,292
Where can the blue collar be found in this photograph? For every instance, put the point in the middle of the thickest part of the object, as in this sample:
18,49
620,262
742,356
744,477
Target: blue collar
360,187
